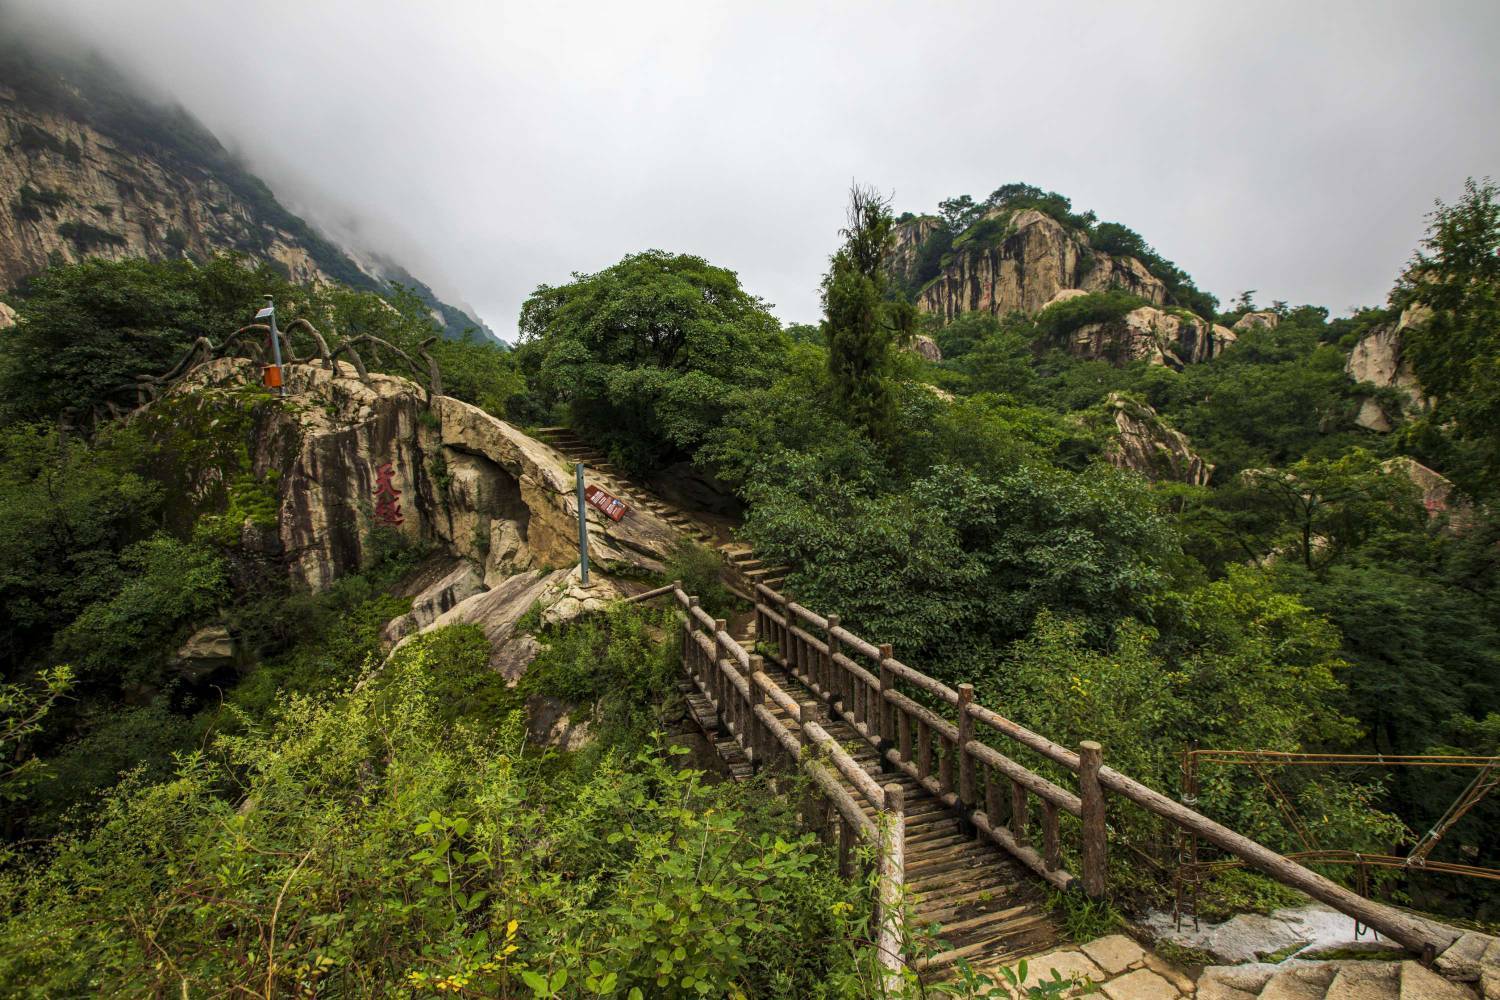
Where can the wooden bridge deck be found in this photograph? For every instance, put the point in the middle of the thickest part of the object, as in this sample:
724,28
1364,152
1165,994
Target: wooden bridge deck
987,907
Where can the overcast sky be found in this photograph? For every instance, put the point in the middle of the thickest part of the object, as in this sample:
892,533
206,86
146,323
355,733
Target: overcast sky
1292,147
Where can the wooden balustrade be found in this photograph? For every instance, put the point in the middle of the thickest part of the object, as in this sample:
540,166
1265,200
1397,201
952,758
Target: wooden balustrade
746,700
909,734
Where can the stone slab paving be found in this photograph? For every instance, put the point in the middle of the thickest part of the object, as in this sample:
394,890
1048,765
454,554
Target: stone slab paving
1123,969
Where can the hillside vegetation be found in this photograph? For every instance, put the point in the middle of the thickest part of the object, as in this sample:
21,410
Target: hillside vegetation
296,821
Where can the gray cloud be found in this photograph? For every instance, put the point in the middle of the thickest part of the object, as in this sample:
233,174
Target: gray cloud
1289,147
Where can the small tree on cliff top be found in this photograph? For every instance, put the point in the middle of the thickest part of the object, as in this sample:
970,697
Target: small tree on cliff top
863,323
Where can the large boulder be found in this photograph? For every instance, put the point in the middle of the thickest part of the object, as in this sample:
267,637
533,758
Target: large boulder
497,613
351,455
437,589
1143,441
1380,360
205,651
7,317
1440,497
1264,319
1172,337
1026,260
927,348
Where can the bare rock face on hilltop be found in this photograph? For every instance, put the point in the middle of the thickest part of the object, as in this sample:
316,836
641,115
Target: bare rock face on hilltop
1262,320
1172,337
1018,261
350,457
1380,359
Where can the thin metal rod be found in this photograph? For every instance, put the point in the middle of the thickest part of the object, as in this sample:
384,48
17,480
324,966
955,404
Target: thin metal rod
583,528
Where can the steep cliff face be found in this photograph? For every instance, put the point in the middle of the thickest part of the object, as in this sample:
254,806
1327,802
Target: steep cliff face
1013,261
1379,359
349,457
910,237
89,169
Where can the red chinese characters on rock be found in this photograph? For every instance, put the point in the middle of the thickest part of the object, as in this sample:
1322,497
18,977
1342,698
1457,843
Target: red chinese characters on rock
387,497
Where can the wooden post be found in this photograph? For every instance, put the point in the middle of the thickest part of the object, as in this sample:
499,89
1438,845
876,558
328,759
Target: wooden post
758,735
924,749
1020,811
1050,850
846,843
991,798
721,683
884,728
892,876
813,809
945,765
835,686
1095,837
965,736
903,733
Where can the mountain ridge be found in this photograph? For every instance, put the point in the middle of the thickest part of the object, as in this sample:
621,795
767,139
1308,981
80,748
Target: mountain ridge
89,166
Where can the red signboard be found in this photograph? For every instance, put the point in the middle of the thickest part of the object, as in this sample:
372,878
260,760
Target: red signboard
607,502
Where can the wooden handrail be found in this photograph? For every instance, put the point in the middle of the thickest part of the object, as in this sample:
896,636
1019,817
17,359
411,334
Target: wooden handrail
911,752
742,695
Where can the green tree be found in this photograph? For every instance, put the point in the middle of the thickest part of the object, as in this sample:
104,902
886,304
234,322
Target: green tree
1456,352
864,324
645,353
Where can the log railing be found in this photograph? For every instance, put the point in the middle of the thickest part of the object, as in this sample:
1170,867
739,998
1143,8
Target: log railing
861,683
745,698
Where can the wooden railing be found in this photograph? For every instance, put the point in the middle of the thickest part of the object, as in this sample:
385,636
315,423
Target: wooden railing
993,791
745,698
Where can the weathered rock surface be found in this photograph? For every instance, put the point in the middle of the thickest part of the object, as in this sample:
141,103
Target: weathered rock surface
1158,336
1439,496
910,236
447,584
1034,259
1146,443
117,201
205,651
351,457
927,348
7,317
1264,319
497,611
1379,359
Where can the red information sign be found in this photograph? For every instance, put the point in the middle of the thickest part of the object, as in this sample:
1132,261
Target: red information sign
607,502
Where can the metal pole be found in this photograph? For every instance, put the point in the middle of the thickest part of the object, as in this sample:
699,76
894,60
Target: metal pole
583,528
276,346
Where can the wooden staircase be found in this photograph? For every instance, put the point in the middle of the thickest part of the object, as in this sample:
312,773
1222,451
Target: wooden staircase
975,901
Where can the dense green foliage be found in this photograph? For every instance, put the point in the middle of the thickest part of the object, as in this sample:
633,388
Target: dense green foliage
643,356
302,818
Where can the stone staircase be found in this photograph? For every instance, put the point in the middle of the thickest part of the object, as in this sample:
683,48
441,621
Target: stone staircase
602,472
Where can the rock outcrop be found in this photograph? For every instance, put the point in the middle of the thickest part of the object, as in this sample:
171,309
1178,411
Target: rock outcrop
1141,440
349,457
1440,497
7,317
205,651
1263,319
1379,359
443,585
1029,258
927,347
1159,336
910,236
89,168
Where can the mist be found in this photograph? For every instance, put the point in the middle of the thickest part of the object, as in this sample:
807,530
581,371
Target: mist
1284,147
